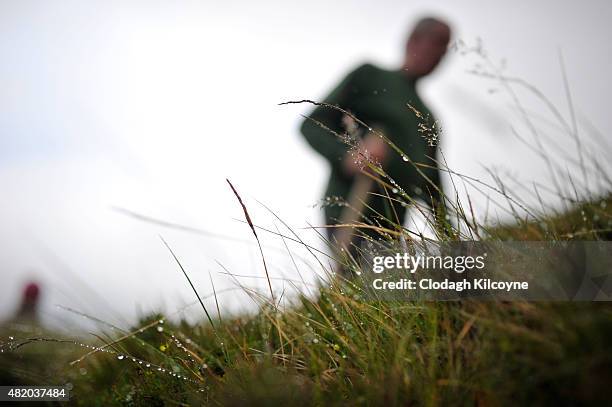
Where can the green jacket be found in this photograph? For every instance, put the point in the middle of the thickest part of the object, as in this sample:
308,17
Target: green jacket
379,98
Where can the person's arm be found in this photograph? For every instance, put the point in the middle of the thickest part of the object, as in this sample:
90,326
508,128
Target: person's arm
324,141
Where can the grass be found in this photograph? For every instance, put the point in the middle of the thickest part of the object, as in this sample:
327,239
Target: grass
337,348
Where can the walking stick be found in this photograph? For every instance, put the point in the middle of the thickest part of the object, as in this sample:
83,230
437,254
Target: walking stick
357,200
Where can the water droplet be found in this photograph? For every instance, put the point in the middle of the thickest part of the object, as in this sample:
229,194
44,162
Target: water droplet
148,365
120,357
160,329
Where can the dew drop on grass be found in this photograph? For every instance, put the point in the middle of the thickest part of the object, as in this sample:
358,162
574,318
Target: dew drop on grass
160,329
120,357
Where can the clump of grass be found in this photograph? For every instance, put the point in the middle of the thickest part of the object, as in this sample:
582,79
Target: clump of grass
339,349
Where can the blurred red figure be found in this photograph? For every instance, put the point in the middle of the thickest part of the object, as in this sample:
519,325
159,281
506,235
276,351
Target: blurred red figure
29,303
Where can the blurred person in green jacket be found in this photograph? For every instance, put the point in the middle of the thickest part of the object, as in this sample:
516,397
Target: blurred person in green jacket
386,100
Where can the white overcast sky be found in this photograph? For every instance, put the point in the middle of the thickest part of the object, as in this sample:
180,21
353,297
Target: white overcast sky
150,105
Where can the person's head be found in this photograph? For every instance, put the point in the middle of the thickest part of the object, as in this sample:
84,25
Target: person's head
29,300
426,46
